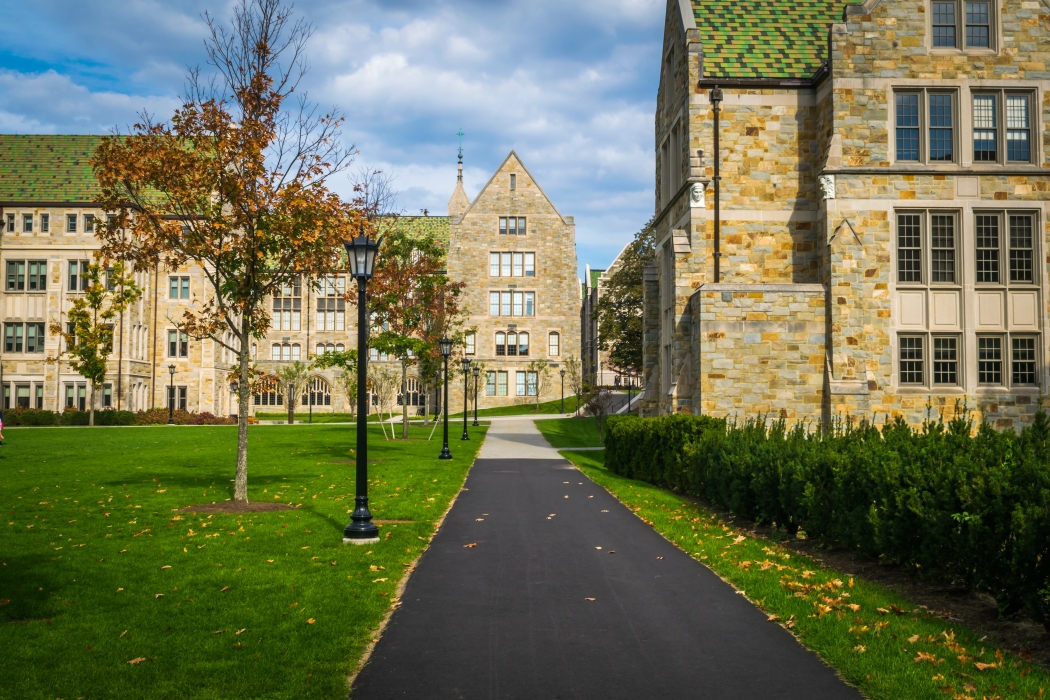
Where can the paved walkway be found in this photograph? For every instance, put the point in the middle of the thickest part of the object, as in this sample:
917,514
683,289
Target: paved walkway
511,617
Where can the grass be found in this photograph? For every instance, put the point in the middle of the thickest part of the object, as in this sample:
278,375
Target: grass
523,409
304,417
874,638
97,569
570,432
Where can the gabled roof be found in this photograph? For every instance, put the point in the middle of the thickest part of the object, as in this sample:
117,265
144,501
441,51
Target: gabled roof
437,226
47,168
772,39
514,155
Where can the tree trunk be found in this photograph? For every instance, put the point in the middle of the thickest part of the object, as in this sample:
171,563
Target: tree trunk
426,403
91,406
404,398
291,404
240,487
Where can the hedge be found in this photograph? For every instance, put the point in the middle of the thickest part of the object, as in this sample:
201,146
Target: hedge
24,417
961,507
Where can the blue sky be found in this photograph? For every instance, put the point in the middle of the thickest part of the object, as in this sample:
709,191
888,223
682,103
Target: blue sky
570,85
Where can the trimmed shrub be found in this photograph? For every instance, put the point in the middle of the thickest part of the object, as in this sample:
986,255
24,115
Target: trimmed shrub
19,417
962,507
28,417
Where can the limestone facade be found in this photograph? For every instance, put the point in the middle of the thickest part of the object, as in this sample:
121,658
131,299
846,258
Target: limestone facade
878,209
46,237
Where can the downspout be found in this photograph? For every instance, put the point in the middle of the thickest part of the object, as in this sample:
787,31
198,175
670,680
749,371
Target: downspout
716,98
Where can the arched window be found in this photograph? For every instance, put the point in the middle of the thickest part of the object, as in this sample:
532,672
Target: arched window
286,352
295,351
501,343
268,393
523,344
275,352
413,393
318,393
320,348
340,347
512,343
554,345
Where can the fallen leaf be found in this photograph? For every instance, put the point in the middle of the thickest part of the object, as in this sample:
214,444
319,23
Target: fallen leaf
218,631
269,561
310,621
605,511
771,618
612,551
138,660
659,557
739,539
597,547
566,495
239,631
166,566
590,497
860,648
479,519
912,639
224,589
472,544
883,611
924,656
981,667
588,598
378,580
158,595
969,686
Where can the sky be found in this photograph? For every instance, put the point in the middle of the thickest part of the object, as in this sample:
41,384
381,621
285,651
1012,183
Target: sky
569,85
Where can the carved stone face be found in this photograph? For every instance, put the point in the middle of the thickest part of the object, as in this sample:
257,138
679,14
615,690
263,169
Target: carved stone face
696,195
827,186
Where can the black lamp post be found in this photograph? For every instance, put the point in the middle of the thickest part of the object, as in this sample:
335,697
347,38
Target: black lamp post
446,350
171,395
562,373
361,253
477,371
630,373
466,406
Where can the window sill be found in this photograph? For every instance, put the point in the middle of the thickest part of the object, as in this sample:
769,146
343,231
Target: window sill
939,390
949,51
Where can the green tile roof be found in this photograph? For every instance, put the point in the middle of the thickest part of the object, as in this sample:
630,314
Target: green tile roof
595,274
37,168
437,226
765,39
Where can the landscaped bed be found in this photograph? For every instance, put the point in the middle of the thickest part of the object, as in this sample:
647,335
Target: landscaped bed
877,640
110,589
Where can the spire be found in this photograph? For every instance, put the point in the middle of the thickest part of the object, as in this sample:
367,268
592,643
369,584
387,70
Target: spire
459,202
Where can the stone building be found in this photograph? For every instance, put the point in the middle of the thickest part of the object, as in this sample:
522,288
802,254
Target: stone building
48,206
881,216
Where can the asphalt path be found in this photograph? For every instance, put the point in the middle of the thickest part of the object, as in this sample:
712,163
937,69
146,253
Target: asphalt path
541,585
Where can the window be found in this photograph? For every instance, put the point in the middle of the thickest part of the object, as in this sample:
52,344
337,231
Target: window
944,24
501,343
22,395
526,383
35,337
914,247
39,396
941,127
331,304
908,127
935,110
78,275
512,343
945,360
493,303
554,344
989,360
45,223
513,181
490,383
275,352
177,397
978,25
1021,248
317,393
501,383
984,129
911,360
10,223
27,223
107,396
178,287
13,335
468,344
530,264
987,254
296,352
37,275
287,308
1018,115
523,344
1022,364
178,344
89,223
377,356
988,118
493,264
16,275
71,223
512,225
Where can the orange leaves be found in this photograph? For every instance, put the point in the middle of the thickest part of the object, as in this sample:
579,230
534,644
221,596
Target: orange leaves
140,659
983,667
311,621
471,545
924,657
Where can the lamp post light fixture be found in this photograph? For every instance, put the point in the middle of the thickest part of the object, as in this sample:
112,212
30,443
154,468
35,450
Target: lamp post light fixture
466,389
562,373
477,371
361,254
446,350
171,394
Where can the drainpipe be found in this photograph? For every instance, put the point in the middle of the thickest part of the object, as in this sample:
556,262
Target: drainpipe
716,98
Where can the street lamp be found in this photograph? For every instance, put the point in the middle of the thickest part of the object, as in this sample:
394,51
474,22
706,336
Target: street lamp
562,373
466,407
446,350
361,254
171,395
630,373
477,371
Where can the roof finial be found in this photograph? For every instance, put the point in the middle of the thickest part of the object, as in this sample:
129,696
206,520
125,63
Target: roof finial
460,135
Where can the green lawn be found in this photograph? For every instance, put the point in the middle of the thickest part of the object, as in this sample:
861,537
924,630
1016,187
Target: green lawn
522,409
570,432
874,638
304,417
98,570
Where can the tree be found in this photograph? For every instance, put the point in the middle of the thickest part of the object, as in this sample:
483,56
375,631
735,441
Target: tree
294,378
89,338
382,382
574,372
407,270
543,378
619,310
234,183
599,405
347,362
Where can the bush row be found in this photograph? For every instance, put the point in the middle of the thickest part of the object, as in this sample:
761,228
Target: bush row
958,506
155,416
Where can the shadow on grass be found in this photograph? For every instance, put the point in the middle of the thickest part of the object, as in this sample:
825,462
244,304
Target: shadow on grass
34,592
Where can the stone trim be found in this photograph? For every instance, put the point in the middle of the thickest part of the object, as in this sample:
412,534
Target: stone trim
763,288
842,387
816,327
